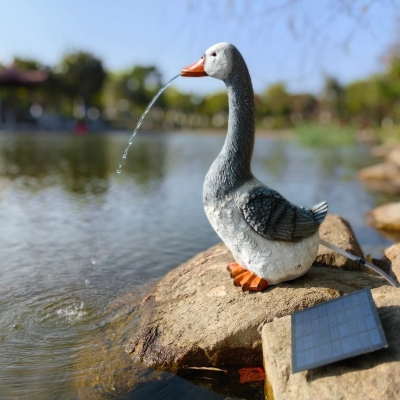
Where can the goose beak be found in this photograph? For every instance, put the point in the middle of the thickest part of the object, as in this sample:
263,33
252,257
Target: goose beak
195,70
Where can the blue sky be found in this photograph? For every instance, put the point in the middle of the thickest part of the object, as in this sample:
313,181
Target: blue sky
297,42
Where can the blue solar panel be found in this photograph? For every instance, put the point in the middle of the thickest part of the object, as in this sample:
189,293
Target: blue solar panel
335,330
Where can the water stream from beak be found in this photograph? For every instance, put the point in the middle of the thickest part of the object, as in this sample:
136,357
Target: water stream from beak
141,120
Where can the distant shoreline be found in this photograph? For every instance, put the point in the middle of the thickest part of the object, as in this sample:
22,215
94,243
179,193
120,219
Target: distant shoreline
219,132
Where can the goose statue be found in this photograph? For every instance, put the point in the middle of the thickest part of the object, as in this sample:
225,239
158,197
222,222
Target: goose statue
271,239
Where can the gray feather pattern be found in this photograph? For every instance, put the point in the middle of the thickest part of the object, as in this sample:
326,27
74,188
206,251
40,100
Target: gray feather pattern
275,218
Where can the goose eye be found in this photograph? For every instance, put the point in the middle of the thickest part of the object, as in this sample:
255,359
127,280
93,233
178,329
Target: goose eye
214,54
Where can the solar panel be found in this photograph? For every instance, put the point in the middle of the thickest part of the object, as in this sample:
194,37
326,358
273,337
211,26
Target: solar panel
336,330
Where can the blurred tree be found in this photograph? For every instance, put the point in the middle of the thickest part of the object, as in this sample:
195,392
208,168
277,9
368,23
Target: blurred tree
27,64
276,100
215,103
137,85
333,98
390,85
303,105
126,94
175,100
18,97
392,61
81,75
142,84
364,101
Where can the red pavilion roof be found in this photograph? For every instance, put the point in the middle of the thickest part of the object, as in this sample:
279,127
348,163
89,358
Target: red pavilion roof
12,76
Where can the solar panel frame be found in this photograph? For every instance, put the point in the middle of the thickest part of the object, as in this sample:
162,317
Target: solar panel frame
335,330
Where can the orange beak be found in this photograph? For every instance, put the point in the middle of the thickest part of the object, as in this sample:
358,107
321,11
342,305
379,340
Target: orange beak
195,70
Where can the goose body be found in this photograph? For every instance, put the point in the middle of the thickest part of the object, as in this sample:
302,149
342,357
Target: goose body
268,236
273,260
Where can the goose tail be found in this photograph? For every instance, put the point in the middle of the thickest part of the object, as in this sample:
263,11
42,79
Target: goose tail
320,210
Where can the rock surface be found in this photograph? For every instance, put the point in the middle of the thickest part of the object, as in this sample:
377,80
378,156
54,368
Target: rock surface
385,217
196,317
392,254
104,370
393,156
369,376
337,230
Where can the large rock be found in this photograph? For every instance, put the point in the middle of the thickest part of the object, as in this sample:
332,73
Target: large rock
369,376
196,317
385,217
337,230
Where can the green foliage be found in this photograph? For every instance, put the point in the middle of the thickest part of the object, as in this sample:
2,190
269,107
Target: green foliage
365,101
276,100
175,100
304,104
215,103
333,98
81,75
80,80
26,64
137,85
321,135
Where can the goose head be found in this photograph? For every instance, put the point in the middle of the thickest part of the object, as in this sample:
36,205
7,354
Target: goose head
216,62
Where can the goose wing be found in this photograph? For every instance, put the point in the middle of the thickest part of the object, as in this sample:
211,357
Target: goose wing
273,217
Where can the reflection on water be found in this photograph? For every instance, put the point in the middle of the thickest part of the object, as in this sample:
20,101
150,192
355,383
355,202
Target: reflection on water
80,165
80,244
277,160
146,161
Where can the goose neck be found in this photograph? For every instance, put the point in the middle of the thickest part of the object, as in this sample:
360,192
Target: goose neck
239,142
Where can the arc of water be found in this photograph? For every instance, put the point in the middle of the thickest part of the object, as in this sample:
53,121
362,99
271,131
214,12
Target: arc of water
142,118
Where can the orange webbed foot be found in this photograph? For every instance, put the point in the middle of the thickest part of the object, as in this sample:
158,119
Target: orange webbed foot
235,269
246,279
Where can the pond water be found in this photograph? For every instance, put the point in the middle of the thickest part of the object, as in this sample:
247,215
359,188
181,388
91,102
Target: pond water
80,244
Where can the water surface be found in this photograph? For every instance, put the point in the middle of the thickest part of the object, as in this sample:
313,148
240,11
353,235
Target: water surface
79,245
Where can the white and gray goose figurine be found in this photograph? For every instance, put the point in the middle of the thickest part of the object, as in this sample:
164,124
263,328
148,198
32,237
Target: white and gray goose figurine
271,239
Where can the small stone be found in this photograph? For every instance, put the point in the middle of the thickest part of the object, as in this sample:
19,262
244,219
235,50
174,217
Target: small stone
385,217
382,171
382,150
383,177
